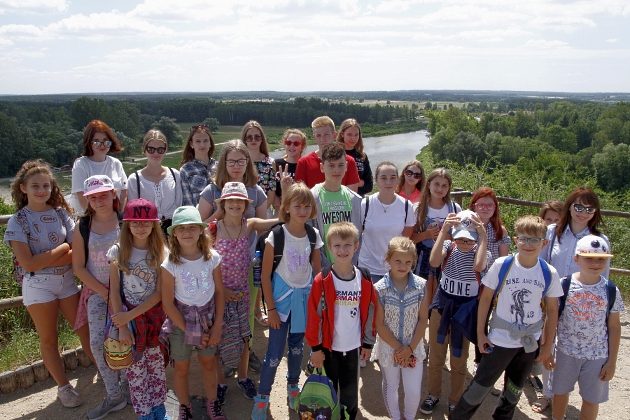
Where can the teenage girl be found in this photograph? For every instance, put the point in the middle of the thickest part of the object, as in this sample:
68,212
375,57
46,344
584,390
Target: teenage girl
193,299
433,207
157,183
294,144
254,137
134,272
101,220
550,212
401,320
40,234
484,202
411,182
232,242
286,291
350,135
198,166
98,140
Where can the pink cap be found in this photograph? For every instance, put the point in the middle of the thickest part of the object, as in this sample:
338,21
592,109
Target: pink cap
140,210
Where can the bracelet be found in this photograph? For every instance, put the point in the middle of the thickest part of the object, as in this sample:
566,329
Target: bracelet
271,309
410,348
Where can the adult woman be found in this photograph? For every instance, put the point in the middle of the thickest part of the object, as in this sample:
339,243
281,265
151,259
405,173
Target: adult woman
198,166
157,183
98,140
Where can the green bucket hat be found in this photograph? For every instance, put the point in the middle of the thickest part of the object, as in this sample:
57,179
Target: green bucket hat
186,215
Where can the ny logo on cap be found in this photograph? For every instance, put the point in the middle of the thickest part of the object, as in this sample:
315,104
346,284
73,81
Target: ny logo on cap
141,212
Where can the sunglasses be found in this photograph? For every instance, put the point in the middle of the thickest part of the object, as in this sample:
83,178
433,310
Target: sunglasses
99,143
579,208
295,143
161,150
416,175
251,138
526,240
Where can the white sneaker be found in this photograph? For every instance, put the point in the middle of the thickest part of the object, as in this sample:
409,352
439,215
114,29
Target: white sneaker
106,407
362,363
68,396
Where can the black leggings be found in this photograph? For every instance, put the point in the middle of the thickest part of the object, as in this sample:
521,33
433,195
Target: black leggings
343,370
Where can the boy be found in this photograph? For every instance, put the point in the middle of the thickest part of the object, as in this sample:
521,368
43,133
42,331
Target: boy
511,345
340,325
462,259
589,331
335,202
308,167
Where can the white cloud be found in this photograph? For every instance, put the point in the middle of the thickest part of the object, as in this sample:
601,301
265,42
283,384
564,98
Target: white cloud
33,6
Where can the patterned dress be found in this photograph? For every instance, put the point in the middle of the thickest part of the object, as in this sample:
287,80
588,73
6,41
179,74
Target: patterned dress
266,174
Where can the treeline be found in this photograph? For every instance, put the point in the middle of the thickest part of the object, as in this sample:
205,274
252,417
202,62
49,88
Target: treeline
559,140
52,130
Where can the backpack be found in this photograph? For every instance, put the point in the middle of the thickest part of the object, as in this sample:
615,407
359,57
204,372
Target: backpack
84,230
278,239
611,295
366,200
318,399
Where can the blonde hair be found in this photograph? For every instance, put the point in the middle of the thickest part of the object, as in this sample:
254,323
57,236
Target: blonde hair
151,135
423,205
349,123
263,147
156,242
298,193
323,121
530,225
294,131
204,244
250,178
342,230
34,167
403,245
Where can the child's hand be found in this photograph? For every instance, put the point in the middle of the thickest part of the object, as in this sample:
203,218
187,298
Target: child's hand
402,353
365,354
215,335
285,178
273,319
484,344
125,336
121,319
317,359
232,295
608,371
545,357
479,226
451,221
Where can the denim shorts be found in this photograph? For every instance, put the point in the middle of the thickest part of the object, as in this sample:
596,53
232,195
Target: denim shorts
44,288
180,351
570,370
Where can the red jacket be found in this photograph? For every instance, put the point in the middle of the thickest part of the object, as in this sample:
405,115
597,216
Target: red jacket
320,316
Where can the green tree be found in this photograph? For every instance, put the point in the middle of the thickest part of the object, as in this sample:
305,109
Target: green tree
169,127
559,137
612,167
212,123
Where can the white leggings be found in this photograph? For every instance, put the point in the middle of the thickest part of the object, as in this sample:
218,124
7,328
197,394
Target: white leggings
412,382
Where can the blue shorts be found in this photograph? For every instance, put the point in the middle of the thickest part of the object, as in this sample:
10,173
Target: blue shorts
570,370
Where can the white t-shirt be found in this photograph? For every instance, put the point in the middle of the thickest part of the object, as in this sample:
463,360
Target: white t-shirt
194,283
166,194
520,297
141,282
436,217
383,222
84,168
582,329
347,331
295,264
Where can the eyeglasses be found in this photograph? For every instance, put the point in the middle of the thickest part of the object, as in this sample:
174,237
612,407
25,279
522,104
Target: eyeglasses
199,127
252,138
295,143
526,240
416,175
161,150
579,208
484,206
100,143
236,162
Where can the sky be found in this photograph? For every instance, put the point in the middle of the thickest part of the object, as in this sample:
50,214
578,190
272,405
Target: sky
63,46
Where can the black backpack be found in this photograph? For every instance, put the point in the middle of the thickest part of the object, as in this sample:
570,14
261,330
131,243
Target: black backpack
278,239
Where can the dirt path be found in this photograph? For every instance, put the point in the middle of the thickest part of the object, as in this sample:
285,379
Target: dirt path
38,402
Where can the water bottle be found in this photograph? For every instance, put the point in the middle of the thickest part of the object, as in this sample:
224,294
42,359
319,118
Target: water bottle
257,267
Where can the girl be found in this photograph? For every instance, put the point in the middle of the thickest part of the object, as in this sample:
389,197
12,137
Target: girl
411,181
253,136
134,282
484,202
550,212
40,234
157,183
198,166
101,222
98,140
286,290
193,299
433,207
401,320
232,242
387,215
350,136
294,144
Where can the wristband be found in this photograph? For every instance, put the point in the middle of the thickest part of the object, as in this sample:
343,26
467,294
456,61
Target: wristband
410,348
271,309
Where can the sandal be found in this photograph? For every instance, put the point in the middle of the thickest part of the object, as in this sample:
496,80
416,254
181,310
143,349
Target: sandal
541,405
262,320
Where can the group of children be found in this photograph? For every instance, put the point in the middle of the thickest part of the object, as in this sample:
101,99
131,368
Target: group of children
360,278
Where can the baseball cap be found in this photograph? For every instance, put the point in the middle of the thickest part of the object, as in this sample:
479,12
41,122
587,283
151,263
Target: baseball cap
185,215
140,210
466,228
592,246
96,184
234,191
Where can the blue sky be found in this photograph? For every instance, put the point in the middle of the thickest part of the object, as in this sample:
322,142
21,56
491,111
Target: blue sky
61,46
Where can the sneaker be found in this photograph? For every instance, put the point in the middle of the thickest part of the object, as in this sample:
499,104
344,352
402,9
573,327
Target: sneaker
68,396
248,388
254,362
451,408
106,407
429,404
362,363
260,408
221,392
215,411
293,392
124,388
184,413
